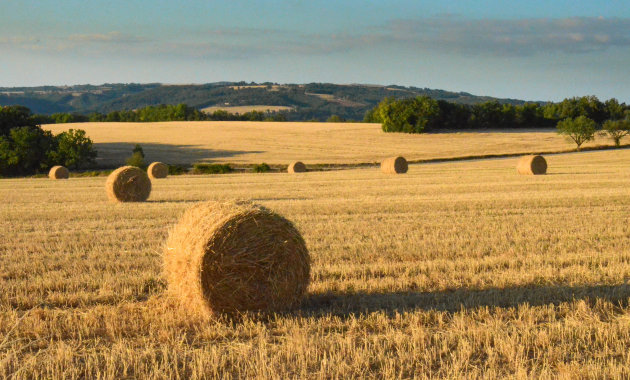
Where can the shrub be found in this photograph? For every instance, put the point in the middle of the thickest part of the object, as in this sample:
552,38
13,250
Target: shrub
92,173
261,168
138,149
335,119
176,170
203,168
137,160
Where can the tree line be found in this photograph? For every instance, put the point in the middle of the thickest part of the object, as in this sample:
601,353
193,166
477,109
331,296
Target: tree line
25,148
423,114
163,112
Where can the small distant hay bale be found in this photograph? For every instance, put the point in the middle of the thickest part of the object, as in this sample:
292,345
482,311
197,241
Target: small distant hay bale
532,165
58,172
296,167
157,170
128,184
394,165
234,257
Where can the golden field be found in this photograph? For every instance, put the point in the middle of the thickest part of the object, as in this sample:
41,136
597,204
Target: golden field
458,270
245,109
313,143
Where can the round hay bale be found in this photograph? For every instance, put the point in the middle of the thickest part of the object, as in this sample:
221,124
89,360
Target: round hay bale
157,170
394,165
234,257
128,184
296,167
58,172
532,164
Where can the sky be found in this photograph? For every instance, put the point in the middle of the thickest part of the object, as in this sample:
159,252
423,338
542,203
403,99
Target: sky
532,50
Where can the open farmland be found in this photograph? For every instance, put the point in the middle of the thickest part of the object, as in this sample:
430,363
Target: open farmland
245,109
452,270
313,143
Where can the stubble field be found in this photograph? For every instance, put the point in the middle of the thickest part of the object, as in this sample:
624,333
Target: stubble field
456,270
313,143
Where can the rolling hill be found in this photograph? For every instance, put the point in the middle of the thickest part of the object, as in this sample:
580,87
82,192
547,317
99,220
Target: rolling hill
307,101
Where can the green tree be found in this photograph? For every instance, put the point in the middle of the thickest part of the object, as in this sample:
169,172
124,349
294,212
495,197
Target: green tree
74,149
26,150
488,115
614,110
616,130
579,130
15,116
415,115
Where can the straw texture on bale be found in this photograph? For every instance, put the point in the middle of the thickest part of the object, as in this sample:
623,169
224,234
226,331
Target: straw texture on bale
394,165
157,170
58,172
296,167
235,257
128,184
532,165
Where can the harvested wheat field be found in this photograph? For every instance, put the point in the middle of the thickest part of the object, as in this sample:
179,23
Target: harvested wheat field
315,143
457,270
245,109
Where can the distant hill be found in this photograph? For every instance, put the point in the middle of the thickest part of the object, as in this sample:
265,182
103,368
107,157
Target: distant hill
307,101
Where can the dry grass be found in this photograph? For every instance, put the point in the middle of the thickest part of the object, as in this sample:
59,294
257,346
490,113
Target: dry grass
245,109
458,270
281,143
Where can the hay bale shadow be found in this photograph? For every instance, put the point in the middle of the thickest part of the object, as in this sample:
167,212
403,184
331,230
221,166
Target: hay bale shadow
345,305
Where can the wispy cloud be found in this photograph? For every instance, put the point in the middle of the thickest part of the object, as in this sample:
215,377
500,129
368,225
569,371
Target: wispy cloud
447,33
111,37
510,37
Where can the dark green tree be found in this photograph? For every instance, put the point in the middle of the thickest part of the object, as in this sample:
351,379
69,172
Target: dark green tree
614,110
26,150
74,149
14,116
415,115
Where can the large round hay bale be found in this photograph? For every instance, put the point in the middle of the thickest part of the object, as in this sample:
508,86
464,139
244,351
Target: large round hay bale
58,172
296,167
157,170
394,165
532,164
128,184
234,257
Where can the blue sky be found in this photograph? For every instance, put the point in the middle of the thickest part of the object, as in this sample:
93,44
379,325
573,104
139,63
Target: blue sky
535,50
